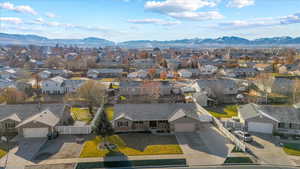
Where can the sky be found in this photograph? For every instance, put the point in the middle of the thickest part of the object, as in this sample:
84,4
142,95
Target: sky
123,20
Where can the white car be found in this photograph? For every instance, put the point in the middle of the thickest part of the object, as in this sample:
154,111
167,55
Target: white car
243,136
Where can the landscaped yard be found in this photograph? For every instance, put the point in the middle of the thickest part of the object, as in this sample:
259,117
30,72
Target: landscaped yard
227,112
2,153
110,111
292,149
81,114
133,145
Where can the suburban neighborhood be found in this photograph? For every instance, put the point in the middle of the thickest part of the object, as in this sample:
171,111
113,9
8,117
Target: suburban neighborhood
171,106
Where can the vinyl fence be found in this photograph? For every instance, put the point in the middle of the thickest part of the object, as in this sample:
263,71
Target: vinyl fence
229,135
73,129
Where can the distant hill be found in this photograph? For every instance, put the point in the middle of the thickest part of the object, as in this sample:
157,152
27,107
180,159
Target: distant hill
39,40
196,42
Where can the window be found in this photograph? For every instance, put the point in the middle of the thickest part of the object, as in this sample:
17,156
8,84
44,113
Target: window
153,124
281,125
10,125
122,124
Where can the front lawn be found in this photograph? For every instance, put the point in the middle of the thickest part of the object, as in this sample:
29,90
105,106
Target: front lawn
2,153
133,145
292,149
81,114
228,112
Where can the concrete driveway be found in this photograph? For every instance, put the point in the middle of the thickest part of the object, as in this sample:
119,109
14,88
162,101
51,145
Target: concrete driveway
206,147
266,148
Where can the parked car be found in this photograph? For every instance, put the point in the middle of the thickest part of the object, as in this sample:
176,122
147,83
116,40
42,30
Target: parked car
245,136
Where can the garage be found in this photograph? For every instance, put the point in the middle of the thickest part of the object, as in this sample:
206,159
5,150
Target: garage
260,127
35,132
185,127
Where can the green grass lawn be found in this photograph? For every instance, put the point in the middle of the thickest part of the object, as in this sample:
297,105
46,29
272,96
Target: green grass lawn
81,114
292,149
238,160
132,145
228,112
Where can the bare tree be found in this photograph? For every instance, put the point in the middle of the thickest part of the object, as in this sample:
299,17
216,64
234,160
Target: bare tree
93,93
264,81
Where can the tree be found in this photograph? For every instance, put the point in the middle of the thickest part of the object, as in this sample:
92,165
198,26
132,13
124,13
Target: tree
93,93
102,126
12,96
296,90
265,82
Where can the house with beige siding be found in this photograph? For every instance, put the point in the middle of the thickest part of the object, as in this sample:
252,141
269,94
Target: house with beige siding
161,117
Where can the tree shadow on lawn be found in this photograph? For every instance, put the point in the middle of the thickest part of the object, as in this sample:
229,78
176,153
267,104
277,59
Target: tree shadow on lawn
140,141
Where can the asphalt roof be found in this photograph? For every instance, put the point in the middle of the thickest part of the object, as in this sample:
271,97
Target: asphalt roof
165,111
25,111
287,114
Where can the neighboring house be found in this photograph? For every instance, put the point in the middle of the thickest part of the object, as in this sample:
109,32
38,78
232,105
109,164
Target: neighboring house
270,119
32,120
142,74
245,72
158,117
283,85
5,83
105,73
184,73
207,69
54,85
72,85
45,74
172,64
222,90
143,63
145,88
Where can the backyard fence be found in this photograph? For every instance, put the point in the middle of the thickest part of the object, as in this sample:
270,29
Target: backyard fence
233,124
73,129
229,135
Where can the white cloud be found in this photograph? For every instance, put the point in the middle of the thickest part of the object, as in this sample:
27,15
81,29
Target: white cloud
197,16
154,21
168,6
13,20
184,9
50,15
261,22
21,8
240,3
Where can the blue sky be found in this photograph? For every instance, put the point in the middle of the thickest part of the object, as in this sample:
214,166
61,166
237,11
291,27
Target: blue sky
122,20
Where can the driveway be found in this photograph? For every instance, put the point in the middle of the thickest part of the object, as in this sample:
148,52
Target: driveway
206,147
29,147
266,148
64,146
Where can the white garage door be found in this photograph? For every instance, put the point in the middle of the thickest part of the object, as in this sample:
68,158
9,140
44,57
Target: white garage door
184,127
35,132
260,127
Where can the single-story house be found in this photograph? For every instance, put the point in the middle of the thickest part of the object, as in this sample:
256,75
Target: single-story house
270,119
105,73
161,117
32,120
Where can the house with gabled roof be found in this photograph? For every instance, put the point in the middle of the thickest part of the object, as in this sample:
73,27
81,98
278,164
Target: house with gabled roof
160,117
32,120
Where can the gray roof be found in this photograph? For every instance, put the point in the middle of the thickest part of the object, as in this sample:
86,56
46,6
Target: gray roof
211,83
24,111
248,111
165,111
286,114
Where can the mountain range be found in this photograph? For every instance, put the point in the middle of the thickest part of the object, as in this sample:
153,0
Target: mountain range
6,39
